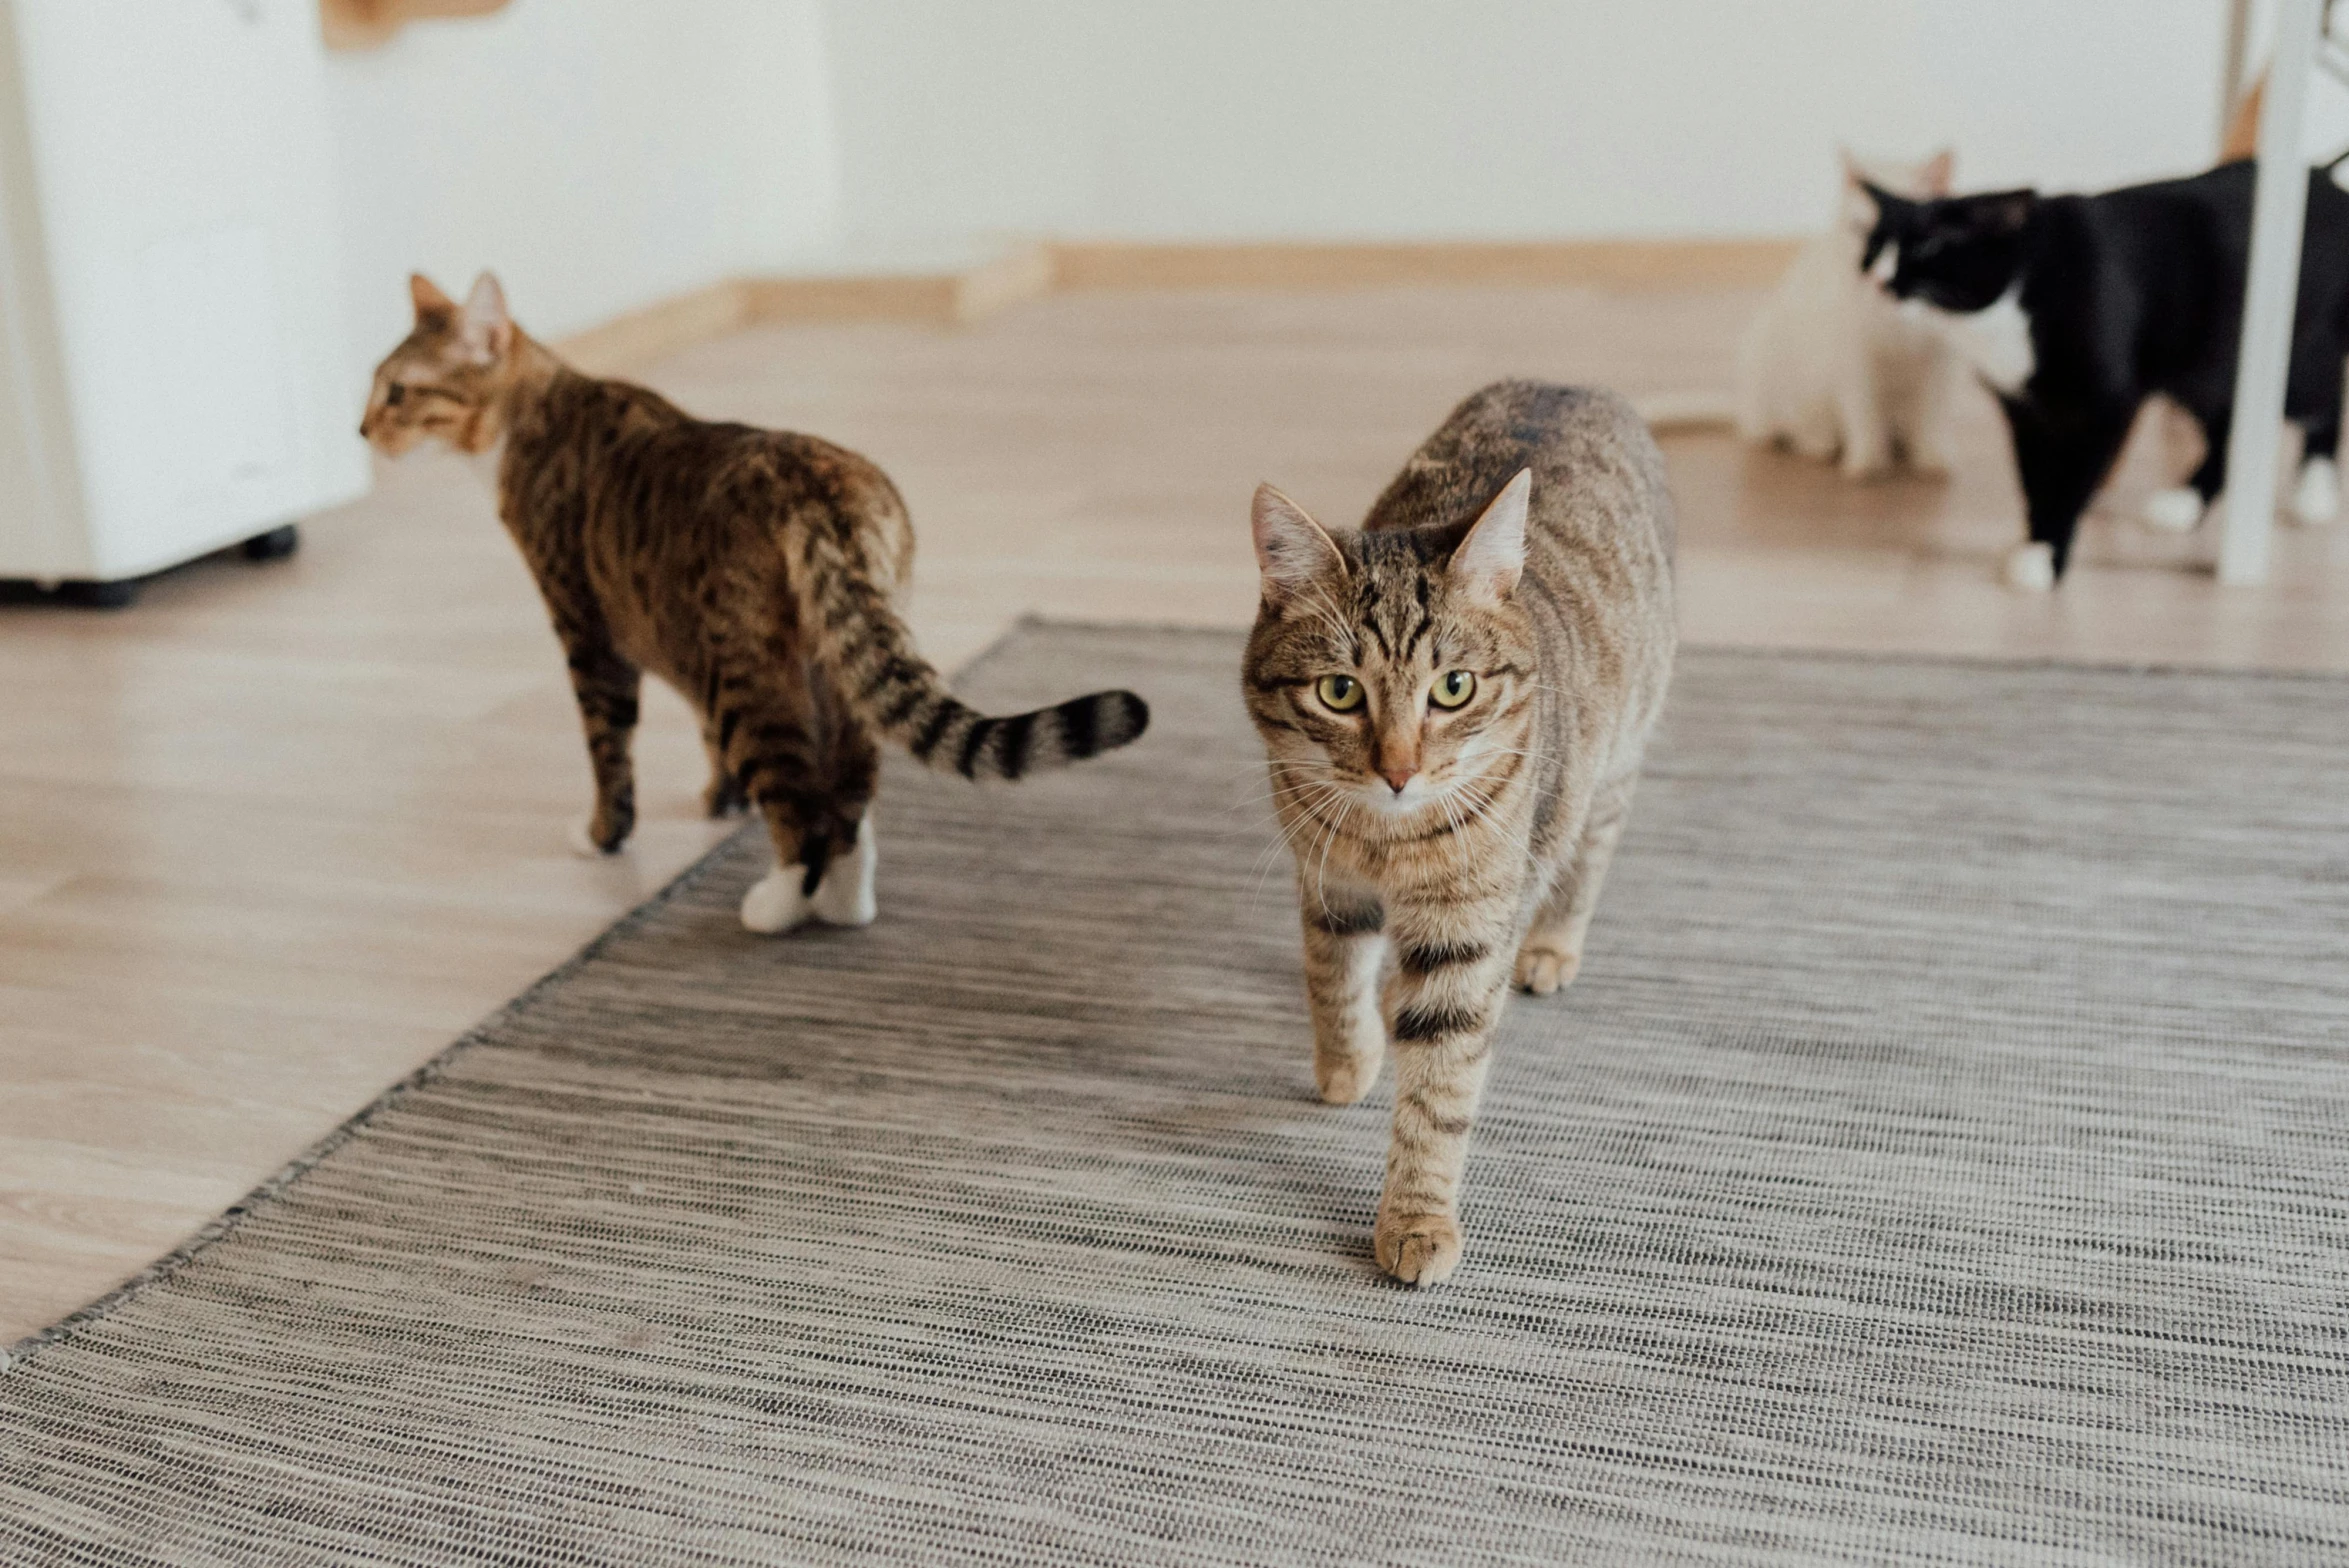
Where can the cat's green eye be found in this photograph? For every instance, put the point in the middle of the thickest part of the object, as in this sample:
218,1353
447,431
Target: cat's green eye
1452,689
1339,693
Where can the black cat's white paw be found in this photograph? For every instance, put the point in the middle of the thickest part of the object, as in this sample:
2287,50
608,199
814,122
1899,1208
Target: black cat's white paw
2316,499
2031,567
2177,510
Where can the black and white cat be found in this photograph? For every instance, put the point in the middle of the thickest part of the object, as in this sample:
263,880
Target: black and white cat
2075,309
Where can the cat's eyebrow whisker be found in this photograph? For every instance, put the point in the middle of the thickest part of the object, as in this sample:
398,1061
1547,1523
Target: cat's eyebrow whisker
1324,611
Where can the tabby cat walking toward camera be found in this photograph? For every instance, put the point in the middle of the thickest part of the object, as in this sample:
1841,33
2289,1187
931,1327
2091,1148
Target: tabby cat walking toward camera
1454,701
753,570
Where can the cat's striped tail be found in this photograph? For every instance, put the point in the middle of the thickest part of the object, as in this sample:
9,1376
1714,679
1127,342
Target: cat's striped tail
870,656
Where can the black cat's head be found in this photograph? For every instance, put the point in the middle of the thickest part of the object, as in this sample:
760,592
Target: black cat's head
1956,253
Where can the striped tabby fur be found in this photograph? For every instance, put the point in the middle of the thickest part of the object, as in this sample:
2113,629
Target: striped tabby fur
753,570
1447,847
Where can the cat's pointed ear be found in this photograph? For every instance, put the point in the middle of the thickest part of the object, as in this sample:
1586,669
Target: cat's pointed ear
1889,211
1491,559
1886,202
431,304
488,329
1935,173
1292,550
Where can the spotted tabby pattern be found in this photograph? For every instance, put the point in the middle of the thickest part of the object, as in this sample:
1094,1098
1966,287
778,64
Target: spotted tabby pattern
1454,701
752,570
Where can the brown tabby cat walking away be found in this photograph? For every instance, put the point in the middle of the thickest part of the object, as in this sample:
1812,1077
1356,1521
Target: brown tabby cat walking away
753,570
1454,701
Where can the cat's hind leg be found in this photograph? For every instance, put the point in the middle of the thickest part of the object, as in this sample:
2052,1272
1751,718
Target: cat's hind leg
2316,497
845,896
785,896
2312,401
607,688
724,795
1551,954
772,750
2175,508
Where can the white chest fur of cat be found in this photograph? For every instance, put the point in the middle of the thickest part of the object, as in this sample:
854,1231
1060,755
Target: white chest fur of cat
1832,367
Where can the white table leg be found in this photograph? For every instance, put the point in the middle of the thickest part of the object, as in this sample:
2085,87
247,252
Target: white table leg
2277,213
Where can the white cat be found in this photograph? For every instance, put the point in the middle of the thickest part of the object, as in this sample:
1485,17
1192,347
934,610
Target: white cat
1833,366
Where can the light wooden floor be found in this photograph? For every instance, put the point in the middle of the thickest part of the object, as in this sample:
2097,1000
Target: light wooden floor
275,836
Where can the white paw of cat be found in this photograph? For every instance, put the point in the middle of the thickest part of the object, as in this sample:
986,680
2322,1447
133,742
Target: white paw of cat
2173,511
2316,500
580,835
845,896
2031,567
775,903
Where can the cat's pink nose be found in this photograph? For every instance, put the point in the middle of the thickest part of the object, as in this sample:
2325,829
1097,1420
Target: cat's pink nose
1397,777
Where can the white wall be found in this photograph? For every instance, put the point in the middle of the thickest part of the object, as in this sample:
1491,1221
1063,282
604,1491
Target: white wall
598,154
603,154
1400,119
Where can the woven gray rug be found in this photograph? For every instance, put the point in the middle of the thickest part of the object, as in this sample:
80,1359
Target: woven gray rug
1944,1159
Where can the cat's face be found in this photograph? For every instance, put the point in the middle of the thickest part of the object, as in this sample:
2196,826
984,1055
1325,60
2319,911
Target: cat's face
1391,673
443,381
1958,253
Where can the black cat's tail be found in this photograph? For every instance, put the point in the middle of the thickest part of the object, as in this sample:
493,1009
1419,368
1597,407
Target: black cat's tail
855,633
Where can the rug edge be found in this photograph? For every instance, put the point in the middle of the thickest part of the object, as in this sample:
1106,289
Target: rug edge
22,1351
273,1186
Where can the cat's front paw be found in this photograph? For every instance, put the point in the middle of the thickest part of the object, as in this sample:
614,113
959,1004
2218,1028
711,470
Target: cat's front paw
2316,500
593,838
1418,1249
1344,1079
775,902
2176,510
2031,567
1542,970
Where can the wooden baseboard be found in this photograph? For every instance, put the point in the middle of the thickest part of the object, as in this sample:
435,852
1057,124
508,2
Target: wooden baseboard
644,335
1032,271
1025,273
368,24
1619,264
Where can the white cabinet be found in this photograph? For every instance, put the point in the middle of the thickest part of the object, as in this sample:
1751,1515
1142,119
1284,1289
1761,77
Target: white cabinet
173,358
